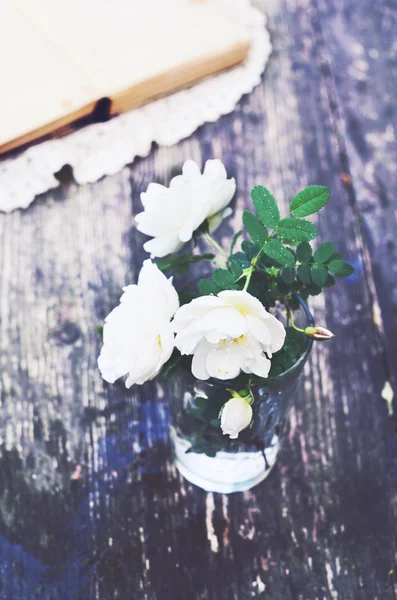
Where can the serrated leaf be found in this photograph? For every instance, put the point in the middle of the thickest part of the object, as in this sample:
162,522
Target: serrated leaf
223,278
241,259
340,268
334,256
288,242
266,206
235,268
250,249
275,250
319,274
304,294
207,287
235,240
330,281
309,200
255,228
304,252
287,274
324,252
296,230
314,289
303,273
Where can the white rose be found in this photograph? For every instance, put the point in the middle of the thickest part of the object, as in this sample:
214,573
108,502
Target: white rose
171,215
137,336
227,334
236,415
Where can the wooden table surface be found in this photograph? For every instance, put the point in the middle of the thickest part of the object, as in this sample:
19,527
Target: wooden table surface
90,504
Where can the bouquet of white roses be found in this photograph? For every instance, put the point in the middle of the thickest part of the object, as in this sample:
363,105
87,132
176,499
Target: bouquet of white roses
225,326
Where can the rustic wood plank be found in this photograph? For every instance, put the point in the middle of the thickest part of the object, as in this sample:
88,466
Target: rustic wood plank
91,506
358,47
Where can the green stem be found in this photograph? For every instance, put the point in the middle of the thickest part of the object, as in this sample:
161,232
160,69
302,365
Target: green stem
245,394
210,240
251,269
291,316
254,261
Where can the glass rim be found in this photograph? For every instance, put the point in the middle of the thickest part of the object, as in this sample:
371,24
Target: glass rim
307,350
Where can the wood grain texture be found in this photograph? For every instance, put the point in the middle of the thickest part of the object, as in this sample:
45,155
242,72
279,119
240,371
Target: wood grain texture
91,505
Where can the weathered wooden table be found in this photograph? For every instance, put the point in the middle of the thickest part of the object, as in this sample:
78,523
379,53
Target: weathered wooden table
90,504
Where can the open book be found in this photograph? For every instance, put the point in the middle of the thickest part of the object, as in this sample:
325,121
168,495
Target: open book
59,58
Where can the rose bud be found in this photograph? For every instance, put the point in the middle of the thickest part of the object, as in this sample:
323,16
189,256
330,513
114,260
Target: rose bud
236,415
320,334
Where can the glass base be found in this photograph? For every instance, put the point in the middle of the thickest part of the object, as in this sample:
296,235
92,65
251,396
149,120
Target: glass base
226,472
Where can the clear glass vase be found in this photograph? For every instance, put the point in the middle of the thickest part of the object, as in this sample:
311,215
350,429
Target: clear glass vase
209,459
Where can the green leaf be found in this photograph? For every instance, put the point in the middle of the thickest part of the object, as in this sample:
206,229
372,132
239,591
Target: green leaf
250,249
290,352
303,272
296,230
294,340
235,268
235,240
287,274
266,206
334,256
330,281
304,293
324,252
223,278
282,288
340,268
275,250
309,200
186,296
319,274
241,259
256,230
314,289
207,287
304,252
180,263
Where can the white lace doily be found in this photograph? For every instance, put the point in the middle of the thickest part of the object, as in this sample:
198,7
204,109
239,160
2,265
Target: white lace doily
104,148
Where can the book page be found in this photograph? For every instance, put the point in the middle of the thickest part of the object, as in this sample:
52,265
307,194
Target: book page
60,57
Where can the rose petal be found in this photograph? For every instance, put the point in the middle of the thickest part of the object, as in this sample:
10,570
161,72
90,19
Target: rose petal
260,366
162,246
225,319
199,361
223,363
174,213
244,302
138,337
190,170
